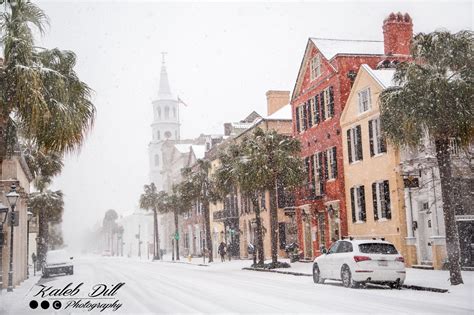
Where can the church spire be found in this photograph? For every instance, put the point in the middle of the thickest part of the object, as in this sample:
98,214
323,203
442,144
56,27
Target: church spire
164,91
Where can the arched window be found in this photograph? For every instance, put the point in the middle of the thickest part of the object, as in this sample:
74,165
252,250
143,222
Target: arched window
159,112
158,136
157,160
167,112
174,112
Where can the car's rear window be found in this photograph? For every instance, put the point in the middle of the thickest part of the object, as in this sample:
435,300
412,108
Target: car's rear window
377,248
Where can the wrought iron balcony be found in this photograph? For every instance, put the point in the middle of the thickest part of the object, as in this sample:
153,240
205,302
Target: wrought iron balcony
222,215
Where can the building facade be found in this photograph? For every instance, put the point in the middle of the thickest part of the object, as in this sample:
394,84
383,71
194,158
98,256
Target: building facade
324,81
373,182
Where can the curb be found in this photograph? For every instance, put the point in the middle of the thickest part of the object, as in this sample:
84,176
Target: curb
406,286
278,271
183,262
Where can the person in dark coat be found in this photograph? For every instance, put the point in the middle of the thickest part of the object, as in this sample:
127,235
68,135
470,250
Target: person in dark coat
221,251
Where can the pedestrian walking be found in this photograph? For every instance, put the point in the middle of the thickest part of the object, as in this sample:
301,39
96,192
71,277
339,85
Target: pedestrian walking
222,251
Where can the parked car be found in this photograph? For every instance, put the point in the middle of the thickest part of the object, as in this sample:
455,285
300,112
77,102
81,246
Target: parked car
58,262
357,262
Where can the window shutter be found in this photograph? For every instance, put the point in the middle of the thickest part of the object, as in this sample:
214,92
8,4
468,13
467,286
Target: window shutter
349,146
353,205
321,181
326,162
305,117
386,197
334,166
331,101
321,99
359,143
362,203
374,200
298,119
313,189
316,109
310,114
383,142
371,138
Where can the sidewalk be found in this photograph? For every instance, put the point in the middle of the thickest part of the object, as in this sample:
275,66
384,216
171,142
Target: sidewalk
14,302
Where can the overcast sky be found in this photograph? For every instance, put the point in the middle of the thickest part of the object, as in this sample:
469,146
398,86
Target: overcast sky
222,58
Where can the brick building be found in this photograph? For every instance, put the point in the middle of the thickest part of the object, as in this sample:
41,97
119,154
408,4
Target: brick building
323,84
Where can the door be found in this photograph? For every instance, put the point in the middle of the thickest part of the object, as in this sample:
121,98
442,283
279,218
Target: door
308,244
330,261
424,233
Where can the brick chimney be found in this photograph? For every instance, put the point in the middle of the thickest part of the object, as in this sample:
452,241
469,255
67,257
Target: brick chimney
276,100
397,34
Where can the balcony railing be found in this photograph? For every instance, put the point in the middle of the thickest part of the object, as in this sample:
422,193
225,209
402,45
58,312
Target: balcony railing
223,215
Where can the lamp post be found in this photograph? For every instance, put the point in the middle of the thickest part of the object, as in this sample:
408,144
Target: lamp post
3,218
30,216
12,198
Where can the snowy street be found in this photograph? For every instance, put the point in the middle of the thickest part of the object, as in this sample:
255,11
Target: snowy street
165,287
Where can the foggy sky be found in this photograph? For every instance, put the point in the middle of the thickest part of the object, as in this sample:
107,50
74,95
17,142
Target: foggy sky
222,58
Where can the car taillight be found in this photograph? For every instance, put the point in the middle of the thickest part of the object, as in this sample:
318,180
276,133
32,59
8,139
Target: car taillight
400,259
361,258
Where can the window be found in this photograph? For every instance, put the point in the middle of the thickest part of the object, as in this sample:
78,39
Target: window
326,98
174,112
454,147
158,136
159,112
315,110
157,160
354,144
262,201
344,247
358,204
381,200
376,140
321,230
331,163
378,248
315,67
167,112
318,174
364,100
334,248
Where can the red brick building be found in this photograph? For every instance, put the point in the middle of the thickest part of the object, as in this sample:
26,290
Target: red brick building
328,68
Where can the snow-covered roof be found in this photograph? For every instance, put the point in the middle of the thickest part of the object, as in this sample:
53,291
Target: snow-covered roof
383,76
183,147
199,150
281,114
332,47
241,125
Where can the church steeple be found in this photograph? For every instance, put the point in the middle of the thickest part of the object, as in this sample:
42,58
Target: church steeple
164,91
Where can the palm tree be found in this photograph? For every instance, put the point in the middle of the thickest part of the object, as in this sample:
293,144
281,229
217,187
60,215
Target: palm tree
435,96
197,185
50,105
274,160
49,207
43,166
155,201
235,171
108,224
177,204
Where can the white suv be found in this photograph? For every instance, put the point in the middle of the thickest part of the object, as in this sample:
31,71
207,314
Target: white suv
357,262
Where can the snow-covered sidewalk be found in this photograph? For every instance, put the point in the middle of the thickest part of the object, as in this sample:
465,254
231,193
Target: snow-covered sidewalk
14,301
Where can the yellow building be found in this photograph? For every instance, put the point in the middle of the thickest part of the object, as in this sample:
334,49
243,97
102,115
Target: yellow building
373,184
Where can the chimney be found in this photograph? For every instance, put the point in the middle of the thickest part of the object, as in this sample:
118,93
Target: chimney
276,100
397,34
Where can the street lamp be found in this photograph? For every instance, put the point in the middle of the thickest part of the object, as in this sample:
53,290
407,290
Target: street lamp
30,216
12,198
3,218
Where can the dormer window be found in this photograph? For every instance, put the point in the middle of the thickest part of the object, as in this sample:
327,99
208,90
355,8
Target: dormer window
364,100
315,67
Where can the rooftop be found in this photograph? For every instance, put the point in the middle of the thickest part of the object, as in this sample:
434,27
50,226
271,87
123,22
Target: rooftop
332,47
383,76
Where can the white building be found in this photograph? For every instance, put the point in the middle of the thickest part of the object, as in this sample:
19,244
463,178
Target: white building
138,228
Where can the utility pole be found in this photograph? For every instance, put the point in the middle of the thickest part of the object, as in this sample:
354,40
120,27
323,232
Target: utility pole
139,242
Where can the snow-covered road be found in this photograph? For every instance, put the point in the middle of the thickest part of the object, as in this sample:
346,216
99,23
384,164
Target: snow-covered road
158,287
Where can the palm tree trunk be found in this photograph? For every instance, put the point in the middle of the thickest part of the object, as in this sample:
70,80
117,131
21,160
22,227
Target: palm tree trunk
452,237
156,247
42,236
274,225
261,254
205,205
176,233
